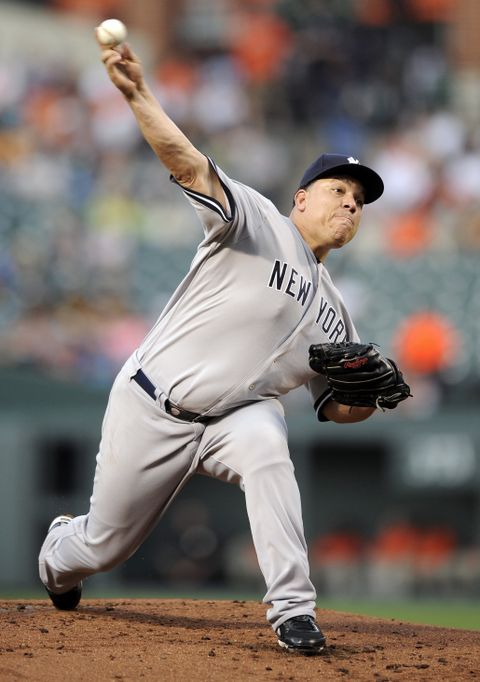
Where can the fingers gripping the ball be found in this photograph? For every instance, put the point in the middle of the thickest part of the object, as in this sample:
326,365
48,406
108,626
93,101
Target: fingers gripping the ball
124,69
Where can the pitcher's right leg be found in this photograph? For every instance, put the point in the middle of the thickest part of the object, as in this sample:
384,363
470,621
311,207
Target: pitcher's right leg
249,447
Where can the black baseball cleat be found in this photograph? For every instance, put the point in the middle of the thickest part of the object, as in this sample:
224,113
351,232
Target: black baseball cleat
301,634
66,601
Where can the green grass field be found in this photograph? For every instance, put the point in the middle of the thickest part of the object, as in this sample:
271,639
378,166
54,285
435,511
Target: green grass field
443,613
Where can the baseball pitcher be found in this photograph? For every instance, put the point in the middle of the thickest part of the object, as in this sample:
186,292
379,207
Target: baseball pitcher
256,316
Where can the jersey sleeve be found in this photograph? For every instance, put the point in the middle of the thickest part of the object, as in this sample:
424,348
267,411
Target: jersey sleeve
244,213
321,394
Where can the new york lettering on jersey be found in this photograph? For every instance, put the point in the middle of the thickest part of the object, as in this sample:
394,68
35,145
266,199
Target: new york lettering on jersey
331,322
285,278
289,281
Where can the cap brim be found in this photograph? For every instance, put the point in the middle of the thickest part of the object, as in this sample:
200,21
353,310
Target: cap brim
371,182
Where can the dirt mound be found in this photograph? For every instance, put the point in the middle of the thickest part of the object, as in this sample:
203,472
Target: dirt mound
175,639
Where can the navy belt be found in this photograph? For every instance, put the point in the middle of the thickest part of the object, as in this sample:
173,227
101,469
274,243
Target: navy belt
185,415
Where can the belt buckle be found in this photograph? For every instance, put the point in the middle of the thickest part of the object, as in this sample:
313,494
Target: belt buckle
184,415
174,410
169,408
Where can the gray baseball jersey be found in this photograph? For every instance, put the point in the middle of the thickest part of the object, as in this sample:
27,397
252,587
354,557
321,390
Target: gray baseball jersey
233,338
239,326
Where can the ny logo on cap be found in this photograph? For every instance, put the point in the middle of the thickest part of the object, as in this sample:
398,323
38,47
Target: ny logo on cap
352,160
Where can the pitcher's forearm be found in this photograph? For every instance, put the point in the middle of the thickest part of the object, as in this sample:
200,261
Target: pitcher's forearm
345,414
170,144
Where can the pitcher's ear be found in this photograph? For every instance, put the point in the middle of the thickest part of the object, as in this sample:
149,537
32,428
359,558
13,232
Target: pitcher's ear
299,197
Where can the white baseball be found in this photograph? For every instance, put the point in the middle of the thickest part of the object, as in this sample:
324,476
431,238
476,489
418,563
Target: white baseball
111,32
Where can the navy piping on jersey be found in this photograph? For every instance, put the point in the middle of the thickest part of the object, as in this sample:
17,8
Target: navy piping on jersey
320,404
213,203
209,202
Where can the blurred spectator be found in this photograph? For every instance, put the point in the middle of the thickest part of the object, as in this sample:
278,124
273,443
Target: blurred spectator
219,83
405,172
390,560
426,343
93,8
111,124
336,561
411,232
460,179
434,560
441,134
402,559
260,42
176,80
255,157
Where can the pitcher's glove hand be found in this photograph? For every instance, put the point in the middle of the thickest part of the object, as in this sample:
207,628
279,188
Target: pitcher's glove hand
359,375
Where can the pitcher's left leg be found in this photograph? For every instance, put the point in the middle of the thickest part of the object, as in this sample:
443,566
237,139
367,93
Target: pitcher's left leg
144,459
249,447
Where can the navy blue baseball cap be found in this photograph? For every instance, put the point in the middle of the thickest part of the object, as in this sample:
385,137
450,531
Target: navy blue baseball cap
331,165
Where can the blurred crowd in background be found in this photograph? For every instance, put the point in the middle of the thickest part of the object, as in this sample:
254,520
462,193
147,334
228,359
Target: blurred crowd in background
94,237
397,558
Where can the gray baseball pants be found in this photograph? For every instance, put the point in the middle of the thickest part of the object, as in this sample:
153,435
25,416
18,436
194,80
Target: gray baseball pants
146,456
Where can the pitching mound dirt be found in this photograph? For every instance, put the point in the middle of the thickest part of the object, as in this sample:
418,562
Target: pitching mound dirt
217,640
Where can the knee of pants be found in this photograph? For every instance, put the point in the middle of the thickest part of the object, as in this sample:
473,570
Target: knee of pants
101,563
109,552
